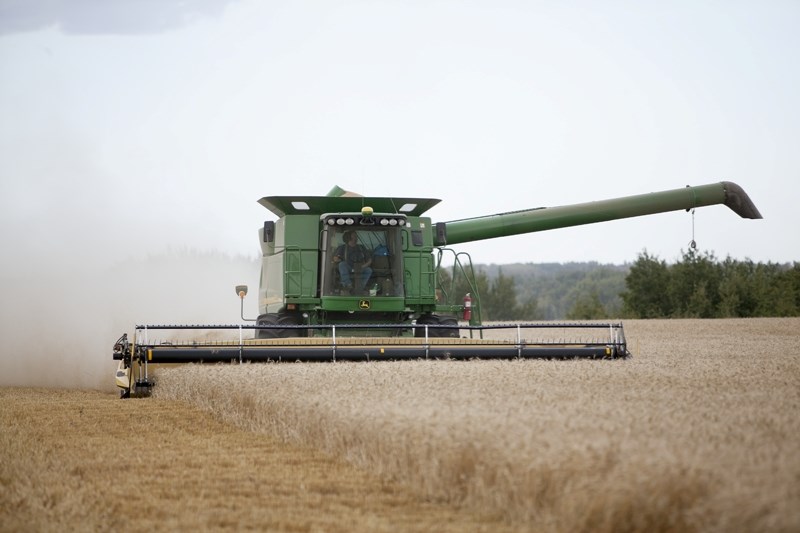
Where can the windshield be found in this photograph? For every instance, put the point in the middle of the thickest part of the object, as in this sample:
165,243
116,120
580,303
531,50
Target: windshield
362,261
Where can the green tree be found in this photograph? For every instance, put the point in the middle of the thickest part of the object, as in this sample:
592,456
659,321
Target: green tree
587,307
500,301
647,284
529,309
736,290
776,290
694,285
596,285
793,279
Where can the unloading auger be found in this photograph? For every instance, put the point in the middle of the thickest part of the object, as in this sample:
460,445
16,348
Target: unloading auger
352,278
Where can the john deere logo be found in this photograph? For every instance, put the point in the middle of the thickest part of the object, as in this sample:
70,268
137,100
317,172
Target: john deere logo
363,304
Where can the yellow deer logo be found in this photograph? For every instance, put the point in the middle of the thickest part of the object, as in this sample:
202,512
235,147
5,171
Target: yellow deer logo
363,304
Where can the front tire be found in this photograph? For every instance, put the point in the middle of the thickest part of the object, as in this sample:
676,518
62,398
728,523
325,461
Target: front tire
269,319
281,319
436,320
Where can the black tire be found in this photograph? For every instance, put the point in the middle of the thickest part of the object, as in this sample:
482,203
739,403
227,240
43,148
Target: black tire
282,319
286,319
436,320
425,320
449,332
269,319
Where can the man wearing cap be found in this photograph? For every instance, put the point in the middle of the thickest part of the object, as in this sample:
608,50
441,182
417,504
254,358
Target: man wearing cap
353,258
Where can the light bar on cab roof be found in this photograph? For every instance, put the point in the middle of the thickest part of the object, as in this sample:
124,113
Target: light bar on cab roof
383,220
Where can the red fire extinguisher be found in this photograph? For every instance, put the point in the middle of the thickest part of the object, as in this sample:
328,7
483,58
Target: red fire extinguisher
467,306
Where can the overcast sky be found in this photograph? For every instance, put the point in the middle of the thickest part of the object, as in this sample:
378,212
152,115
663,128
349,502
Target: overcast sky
131,127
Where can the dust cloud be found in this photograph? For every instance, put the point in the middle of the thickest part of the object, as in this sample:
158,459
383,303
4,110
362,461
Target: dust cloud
58,326
87,255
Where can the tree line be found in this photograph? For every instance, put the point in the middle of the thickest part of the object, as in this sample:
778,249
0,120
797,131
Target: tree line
697,286
701,286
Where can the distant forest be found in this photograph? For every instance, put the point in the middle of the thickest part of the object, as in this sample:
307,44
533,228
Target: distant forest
697,286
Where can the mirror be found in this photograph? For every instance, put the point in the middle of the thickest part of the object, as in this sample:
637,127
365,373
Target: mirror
269,230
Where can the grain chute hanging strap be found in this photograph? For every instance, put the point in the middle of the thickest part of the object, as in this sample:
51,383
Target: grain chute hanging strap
693,244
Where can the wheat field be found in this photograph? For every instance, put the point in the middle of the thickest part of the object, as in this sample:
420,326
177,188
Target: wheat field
699,431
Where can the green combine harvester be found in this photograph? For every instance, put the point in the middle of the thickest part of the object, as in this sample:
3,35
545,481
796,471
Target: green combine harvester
351,278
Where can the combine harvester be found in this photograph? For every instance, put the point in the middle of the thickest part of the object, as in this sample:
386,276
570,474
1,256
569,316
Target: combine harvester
352,278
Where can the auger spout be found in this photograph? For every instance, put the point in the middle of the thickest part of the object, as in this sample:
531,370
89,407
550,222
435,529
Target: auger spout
547,218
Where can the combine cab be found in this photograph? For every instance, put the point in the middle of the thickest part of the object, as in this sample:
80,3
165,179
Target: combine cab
352,278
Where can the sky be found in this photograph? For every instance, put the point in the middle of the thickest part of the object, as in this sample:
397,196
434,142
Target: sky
130,127
133,129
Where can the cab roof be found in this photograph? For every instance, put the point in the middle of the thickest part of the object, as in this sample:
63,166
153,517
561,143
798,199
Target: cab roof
318,205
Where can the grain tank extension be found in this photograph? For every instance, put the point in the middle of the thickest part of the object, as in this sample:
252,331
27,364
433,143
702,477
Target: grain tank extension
348,277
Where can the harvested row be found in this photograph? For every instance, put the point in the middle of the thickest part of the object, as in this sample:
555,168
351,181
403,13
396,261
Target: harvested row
76,460
697,431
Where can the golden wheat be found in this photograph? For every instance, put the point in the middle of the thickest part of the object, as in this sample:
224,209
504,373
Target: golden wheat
86,461
698,431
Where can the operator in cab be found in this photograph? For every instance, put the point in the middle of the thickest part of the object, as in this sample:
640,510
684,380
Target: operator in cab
353,261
